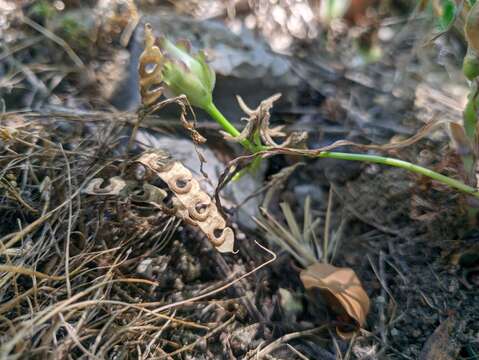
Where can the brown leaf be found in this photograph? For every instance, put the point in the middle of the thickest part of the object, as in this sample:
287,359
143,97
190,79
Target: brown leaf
343,290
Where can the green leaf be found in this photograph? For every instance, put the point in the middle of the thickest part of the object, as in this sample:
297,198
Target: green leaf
447,14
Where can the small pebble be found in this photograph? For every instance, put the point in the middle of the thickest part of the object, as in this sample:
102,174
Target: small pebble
416,333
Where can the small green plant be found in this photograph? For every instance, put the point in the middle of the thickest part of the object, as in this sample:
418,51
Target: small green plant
173,69
464,135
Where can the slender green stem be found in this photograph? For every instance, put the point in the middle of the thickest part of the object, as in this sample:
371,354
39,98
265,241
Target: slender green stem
228,127
456,184
403,165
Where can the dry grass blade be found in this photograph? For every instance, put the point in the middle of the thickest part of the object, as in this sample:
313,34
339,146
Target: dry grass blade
104,237
285,236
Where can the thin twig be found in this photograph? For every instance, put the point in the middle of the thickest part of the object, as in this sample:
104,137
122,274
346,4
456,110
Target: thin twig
47,33
285,338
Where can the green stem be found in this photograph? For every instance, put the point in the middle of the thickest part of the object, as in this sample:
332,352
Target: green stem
228,127
456,184
403,165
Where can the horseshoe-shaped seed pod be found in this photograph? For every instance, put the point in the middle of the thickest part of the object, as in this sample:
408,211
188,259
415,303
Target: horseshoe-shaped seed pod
188,204
151,79
115,186
201,208
181,183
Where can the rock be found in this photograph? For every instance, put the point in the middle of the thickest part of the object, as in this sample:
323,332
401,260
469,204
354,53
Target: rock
240,190
145,267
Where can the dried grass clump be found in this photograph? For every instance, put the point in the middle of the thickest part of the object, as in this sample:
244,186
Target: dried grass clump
75,272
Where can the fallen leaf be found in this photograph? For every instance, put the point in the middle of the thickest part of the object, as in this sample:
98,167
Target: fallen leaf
341,289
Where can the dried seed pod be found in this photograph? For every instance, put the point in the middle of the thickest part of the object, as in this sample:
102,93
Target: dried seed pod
191,203
151,79
471,28
115,186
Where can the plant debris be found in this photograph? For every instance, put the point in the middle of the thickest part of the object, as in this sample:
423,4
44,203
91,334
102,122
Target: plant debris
342,290
190,202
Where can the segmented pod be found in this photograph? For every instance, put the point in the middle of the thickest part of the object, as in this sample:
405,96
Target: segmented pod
191,203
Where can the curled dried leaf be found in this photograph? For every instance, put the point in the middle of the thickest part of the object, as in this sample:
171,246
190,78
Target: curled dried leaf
341,288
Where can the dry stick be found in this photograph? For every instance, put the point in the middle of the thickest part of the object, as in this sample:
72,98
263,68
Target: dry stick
297,352
26,271
278,342
87,303
108,275
47,314
18,196
69,227
350,347
16,300
194,343
382,314
99,336
9,51
248,304
155,338
75,339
